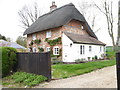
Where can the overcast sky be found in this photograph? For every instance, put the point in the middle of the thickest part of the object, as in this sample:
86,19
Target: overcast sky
9,19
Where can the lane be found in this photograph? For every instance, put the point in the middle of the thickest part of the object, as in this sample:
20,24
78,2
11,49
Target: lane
102,78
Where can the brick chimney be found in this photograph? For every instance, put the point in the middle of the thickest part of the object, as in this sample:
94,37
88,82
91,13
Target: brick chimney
53,7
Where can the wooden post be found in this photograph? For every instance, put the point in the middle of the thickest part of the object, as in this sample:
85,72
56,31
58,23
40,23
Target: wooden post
118,69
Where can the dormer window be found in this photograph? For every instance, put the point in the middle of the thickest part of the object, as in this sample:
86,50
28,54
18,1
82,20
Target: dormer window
48,34
82,27
34,37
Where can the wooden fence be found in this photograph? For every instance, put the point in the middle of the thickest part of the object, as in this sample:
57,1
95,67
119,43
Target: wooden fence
118,69
37,63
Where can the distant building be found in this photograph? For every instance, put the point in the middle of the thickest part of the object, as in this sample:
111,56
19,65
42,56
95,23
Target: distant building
11,44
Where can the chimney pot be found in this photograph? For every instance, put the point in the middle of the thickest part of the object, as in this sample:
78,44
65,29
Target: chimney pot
53,7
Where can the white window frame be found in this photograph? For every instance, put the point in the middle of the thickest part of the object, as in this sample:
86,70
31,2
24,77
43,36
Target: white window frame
33,36
56,50
100,48
82,27
47,49
90,48
82,49
34,49
48,34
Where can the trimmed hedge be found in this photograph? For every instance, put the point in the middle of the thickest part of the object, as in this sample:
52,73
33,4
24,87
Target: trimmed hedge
9,60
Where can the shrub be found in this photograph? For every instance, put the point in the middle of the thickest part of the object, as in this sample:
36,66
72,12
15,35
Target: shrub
28,79
9,60
56,62
80,60
96,57
93,58
88,58
41,49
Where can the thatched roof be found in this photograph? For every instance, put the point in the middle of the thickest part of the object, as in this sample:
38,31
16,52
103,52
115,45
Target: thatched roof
57,18
83,39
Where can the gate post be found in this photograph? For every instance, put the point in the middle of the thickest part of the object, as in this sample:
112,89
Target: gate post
118,69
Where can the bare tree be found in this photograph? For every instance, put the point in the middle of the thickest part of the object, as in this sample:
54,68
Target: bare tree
28,15
118,37
85,9
21,40
107,10
8,39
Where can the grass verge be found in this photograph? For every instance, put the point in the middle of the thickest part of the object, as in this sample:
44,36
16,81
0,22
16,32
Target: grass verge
23,79
68,70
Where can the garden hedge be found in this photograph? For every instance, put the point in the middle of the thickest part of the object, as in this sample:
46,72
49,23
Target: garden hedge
9,60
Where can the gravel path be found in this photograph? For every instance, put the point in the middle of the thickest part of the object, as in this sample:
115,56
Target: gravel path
102,78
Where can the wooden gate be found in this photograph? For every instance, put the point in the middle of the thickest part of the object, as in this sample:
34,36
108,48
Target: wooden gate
37,63
118,69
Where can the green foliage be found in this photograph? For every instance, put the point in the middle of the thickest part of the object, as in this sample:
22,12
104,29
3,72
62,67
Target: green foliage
9,60
56,62
79,60
3,37
46,39
93,58
68,70
96,57
37,41
41,49
28,79
31,43
21,40
110,52
54,42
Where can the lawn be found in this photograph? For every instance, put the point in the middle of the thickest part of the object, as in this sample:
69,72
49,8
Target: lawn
110,52
68,70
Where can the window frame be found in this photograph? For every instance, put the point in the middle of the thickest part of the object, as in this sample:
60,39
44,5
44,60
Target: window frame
100,48
47,49
34,49
82,49
48,34
34,37
90,48
55,52
82,27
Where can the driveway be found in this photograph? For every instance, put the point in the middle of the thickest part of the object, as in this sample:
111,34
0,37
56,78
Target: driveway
102,78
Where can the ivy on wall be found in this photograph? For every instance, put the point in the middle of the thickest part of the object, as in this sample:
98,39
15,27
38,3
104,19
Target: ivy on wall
40,49
54,41
37,41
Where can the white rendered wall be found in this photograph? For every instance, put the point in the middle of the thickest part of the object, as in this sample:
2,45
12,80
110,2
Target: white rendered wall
71,51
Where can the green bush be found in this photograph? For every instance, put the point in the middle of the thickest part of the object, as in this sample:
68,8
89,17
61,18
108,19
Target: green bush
9,60
41,49
28,79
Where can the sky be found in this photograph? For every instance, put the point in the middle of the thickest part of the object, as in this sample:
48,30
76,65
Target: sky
10,21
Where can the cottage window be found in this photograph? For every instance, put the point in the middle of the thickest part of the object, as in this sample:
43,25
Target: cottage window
82,27
90,48
47,49
48,34
82,49
56,50
100,48
34,37
34,49
104,49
